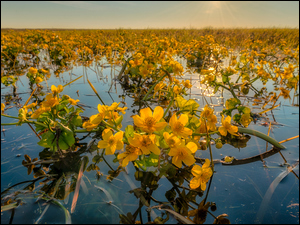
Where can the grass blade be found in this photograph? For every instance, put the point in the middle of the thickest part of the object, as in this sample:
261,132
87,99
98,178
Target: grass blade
76,192
178,216
270,191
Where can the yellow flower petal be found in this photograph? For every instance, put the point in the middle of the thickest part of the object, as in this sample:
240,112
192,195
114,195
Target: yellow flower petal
192,146
158,113
223,131
195,183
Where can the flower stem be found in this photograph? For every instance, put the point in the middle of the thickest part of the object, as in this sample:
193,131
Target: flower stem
262,136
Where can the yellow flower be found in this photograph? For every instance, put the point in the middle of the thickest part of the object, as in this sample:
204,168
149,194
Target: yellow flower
2,107
38,80
56,90
33,70
122,110
32,105
50,101
129,155
148,122
144,71
285,93
228,159
72,101
201,175
93,122
176,90
145,142
183,153
177,125
226,126
22,114
158,88
207,112
171,140
187,84
39,111
111,143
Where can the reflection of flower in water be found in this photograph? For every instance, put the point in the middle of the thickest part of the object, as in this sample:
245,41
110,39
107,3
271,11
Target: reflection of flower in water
201,175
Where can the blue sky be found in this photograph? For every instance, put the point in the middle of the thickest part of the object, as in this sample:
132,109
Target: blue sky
140,15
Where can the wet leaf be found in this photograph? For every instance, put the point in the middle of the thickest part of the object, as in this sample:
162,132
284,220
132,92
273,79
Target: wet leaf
76,192
170,194
178,216
28,159
221,219
139,193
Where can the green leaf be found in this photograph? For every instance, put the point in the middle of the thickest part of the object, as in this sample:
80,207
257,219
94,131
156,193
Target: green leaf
77,121
46,140
119,120
129,131
97,159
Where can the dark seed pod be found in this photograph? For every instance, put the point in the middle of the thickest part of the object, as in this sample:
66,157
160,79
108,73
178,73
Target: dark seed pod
213,206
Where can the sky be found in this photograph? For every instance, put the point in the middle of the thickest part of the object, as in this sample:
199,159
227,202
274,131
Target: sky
146,15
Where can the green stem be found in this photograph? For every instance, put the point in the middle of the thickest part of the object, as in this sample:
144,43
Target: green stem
204,134
262,136
209,146
28,121
150,90
115,128
171,103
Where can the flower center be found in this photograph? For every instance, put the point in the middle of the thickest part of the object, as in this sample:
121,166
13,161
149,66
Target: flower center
131,149
178,127
150,122
171,142
146,141
111,141
182,153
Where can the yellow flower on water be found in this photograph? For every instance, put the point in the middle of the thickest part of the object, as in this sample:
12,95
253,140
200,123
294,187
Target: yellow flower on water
2,107
228,159
177,90
111,142
39,111
227,127
93,122
171,140
32,70
55,90
178,125
187,84
50,101
148,122
32,105
73,101
22,114
39,80
113,106
183,153
144,71
207,112
285,93
131,153
147,143
122,110
158,88
89,126
201,175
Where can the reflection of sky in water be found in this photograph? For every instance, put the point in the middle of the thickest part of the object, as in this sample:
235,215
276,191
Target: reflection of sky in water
237,190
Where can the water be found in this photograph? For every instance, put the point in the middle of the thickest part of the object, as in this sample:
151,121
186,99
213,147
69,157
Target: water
238,191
